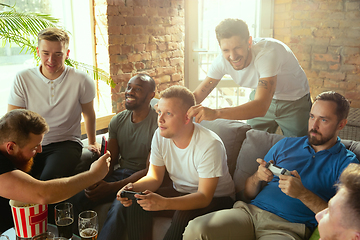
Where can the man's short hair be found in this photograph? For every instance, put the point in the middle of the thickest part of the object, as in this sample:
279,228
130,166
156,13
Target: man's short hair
146,78
16,126
54,35
342,104
232,27
350,180
180,92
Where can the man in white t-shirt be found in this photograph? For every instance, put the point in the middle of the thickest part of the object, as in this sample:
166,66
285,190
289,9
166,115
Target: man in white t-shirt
281,96
59,94
195,159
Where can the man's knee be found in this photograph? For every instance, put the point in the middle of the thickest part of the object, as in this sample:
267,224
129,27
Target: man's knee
197,228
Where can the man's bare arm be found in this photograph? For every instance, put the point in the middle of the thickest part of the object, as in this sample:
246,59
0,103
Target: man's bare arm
205,88
12,107
90,125
293,187
20,186
255,108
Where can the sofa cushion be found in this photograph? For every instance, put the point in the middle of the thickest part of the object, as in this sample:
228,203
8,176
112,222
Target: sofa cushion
256,145
232,133
353,146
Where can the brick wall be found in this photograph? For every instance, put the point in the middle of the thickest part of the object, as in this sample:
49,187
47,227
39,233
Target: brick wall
140,36
325,37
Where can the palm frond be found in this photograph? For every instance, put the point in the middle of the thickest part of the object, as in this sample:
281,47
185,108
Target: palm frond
22,28
24,43
28,24
97,73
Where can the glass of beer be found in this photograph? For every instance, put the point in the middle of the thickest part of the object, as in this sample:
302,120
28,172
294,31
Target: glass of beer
88,225
64,219
44,236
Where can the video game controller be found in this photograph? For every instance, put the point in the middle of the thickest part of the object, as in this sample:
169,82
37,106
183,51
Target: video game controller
277,171
130,194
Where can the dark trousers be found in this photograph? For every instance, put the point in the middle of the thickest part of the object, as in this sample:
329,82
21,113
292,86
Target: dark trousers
138,222
56,160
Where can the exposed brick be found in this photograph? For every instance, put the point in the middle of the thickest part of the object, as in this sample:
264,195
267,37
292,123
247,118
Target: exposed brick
137,20
162,46
334,66
112,10
125,49
352,95
145,56
139,47
114,30
332,75
127,68
176,61
141,3
116,39
151,11
134,57
327,57
352,15
164,78
116,21
139,65
114,49
139,11
316,82
354,59
352,6
331,5
138,30
176,77
126,30
331,83
165,70
126,11
151,47
348,86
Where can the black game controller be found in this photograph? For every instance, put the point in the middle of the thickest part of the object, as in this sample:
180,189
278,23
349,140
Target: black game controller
276,170
130,194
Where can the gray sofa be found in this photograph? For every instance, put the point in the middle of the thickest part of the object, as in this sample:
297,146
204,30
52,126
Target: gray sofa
243,146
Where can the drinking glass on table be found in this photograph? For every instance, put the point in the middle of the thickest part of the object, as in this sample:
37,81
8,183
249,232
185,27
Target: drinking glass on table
44,236
88,225
64,219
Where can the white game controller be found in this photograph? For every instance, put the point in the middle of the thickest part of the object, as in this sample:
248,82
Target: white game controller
277,171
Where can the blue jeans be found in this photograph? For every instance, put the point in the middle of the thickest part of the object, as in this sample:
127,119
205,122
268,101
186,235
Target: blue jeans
81,202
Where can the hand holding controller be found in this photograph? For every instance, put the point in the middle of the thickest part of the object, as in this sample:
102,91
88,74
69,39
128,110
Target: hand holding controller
130,194
277,171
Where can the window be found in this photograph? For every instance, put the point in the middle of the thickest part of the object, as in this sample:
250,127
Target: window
76,17
202,16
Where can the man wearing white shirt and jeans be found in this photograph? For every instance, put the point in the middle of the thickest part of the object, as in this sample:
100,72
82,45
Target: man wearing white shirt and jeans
59,94
195,158
267,65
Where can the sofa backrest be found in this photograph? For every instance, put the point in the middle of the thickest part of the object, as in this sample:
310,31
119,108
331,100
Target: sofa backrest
256,145
232,133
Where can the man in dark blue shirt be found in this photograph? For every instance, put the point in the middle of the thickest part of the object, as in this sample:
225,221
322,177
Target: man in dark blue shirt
285,206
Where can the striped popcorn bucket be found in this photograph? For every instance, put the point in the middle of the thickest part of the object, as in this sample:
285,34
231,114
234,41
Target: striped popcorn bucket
29,221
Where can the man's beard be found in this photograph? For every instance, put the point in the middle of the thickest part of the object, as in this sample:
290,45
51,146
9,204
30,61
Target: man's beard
316,142
22,163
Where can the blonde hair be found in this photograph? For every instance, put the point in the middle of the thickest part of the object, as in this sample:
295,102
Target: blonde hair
54,35
179,92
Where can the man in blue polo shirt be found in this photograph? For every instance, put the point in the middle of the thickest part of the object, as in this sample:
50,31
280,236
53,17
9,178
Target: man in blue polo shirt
284,207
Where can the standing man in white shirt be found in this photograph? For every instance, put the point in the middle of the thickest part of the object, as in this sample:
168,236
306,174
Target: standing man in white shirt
281,96
60,94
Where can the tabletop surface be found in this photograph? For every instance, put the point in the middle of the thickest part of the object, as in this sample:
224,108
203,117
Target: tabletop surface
51,228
